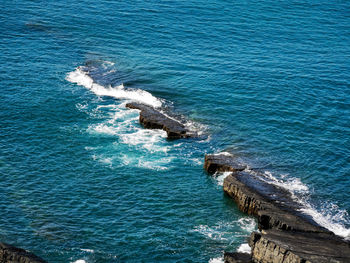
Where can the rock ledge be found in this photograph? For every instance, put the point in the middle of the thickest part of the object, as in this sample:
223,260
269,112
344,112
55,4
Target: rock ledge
151,118
11,254
287,235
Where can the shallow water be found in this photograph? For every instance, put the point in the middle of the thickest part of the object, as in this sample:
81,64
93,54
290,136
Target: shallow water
80,178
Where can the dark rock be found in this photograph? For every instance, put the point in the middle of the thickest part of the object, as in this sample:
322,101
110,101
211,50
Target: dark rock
221,163
287,235
237,257
273,206
300,247
151,118
10,254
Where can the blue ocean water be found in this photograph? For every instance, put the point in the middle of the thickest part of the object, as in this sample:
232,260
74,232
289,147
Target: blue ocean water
81,180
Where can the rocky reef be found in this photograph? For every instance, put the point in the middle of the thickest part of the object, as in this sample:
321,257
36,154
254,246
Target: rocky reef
152,118
287,235
11,254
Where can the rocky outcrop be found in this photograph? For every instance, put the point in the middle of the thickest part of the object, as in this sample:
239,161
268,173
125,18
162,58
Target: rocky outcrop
237,257
151,118
10,254
287,235
222,163
273,206
280,246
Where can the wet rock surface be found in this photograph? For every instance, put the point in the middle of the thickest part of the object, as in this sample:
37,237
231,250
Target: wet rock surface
11,254
273,206
221,163
151,118
294,246
287,235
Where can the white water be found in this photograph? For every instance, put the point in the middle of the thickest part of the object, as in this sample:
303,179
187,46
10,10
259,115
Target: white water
121,125
328,216
81,78
216,260
244,248
220,177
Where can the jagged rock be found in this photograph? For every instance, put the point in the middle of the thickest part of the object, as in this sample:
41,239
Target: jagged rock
237,257
151,118
300,247
11,254
273,206
221,163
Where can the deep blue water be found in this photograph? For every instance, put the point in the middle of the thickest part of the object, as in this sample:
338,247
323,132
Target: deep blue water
81,180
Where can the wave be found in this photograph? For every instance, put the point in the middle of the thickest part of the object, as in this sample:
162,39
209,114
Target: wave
80,76
244,248
216,260
222,231
329,217
220,177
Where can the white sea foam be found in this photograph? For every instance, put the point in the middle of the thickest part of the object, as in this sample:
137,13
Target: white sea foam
148,139
247,224
330,217
216,260
224,153
220,177
80,261
214,233
289,183
87,250
80,77
244,248
101,128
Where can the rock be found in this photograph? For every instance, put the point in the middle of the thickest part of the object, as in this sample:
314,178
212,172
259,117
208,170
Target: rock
273,206
287,235
293,246
10,254
151,118
237,257
221,163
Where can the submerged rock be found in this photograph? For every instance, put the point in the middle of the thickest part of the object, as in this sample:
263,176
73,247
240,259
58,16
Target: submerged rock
151,118
11,254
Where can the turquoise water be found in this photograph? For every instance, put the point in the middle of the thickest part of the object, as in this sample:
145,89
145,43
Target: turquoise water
81,180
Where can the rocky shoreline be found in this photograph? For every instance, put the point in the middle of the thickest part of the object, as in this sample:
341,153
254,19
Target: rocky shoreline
286,235
11,254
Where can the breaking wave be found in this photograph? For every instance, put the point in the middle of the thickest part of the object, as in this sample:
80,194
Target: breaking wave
80,76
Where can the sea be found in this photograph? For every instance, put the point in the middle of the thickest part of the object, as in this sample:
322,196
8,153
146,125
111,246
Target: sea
82,181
